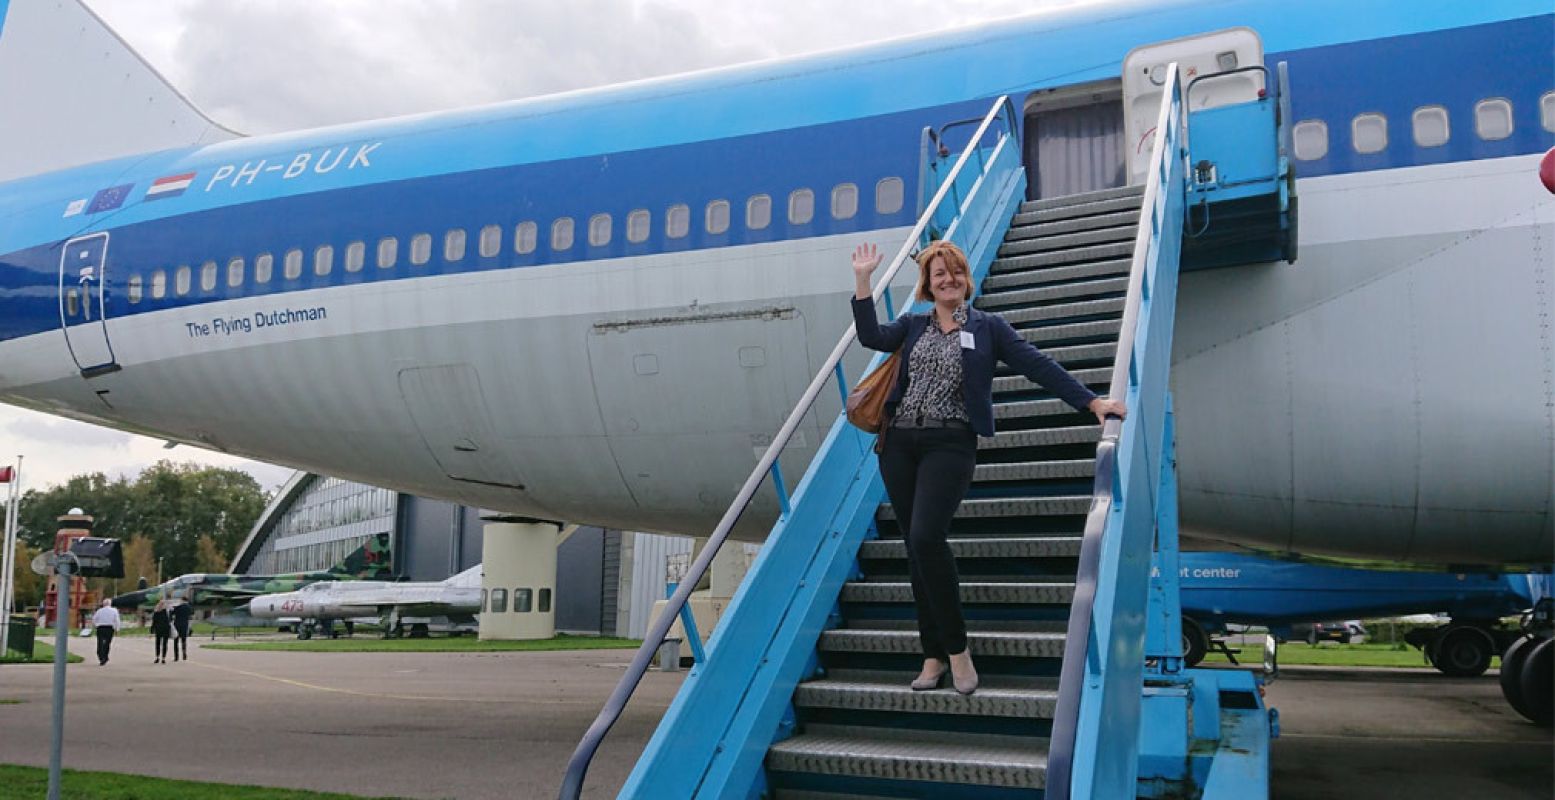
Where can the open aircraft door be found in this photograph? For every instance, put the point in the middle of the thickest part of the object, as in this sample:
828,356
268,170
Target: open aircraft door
83,303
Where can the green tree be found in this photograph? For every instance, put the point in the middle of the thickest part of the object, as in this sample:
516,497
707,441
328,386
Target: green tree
29,584
209,556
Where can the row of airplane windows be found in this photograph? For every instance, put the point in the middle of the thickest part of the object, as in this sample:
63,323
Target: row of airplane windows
889,198
522,601
1430,125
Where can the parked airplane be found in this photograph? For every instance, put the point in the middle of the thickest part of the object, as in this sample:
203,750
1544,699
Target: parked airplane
458,598
369,561
594,306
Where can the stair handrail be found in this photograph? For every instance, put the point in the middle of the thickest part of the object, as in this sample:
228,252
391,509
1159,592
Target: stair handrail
1061,747
577,765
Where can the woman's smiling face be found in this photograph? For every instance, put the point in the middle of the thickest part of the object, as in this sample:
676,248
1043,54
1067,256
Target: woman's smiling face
948,285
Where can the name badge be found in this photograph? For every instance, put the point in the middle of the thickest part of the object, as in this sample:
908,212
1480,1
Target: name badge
967,341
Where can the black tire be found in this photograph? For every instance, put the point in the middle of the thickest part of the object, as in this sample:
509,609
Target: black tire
1463,653
304,633
1195,643
1538,683
1512,674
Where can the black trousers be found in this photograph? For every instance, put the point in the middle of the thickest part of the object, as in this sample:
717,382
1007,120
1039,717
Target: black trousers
104,641
180,641
162,637
927,472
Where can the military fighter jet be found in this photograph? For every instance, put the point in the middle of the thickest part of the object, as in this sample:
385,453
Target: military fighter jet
370,561
457,598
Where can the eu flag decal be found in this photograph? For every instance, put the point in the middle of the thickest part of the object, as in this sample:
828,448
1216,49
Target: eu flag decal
109,199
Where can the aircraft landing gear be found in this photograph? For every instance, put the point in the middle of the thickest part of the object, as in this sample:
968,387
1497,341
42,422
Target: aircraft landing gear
305,630
1528,668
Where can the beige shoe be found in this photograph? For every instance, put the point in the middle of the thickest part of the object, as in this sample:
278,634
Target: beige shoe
923,684
965,679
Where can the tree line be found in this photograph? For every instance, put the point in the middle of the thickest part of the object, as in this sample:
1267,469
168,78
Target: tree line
191,517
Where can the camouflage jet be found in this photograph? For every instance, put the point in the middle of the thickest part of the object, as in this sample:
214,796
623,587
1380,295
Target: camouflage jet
370,561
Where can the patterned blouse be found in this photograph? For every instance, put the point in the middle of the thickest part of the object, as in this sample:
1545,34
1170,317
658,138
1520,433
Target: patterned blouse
934,374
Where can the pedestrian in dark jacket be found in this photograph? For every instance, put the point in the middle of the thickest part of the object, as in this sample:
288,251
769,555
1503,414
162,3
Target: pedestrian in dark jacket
182,613
942,401
162,629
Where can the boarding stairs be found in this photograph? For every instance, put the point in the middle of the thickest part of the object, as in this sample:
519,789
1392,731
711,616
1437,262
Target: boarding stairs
804,694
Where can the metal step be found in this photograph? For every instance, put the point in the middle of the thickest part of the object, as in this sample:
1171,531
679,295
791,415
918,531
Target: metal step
990,547
1094,377
1073,330
996,696
1040,294
1012,507
1094,351
944,757
1098,252
1032,408
1067,241
1084,308
1017,644
1008,593
1083,198
1128,218
1041,437
1051,275
1035,470
1078,210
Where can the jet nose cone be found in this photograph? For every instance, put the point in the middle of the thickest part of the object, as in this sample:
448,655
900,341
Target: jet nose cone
129,600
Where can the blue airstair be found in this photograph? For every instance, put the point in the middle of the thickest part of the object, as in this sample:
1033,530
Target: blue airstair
803,692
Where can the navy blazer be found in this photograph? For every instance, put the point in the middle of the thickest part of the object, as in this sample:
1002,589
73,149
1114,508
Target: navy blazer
996,341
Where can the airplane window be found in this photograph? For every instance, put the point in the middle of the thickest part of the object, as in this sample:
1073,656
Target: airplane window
599,230
235,272
1430,126
758,212
158,285
453,244
677,221
388,252
1493,118
525,237
1310,138
499,601
263,266
491,240
420,248
181,280
561,234
638,223
135,289
717,216
522,600
292,266
888,195
1547,111
545,600
72,302
356,256
801,206
207,276
1369,132
844,201
323,260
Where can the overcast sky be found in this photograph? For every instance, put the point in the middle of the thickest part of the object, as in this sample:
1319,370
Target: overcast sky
263,66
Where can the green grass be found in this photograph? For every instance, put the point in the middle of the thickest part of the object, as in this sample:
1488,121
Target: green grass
41,654
442,644
1333,655
32,782
10,701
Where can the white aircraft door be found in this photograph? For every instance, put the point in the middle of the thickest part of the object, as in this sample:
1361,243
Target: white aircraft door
83,303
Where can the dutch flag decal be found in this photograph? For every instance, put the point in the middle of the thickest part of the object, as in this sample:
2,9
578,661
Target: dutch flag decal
170,186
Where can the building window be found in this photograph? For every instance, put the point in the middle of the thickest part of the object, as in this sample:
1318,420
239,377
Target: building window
1430,126
292,266
388,252
420,248
1310,138
1547,111
264,265
235,273
483,601
499,601
207,276
638,224
356,256
717,216
323,260
889,193
758,212
561,234
1369,133
599,230
545,601
677,221
522,601
801,206
1493,118
525,237
491,241
158,285
135,289
181,280
453,244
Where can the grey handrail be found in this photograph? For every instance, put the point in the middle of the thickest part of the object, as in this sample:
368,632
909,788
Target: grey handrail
1077,641
577,766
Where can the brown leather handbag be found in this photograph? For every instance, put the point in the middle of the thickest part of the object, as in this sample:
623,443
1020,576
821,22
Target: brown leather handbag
866,403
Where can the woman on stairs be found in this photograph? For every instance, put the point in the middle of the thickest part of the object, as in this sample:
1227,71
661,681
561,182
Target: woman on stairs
942,401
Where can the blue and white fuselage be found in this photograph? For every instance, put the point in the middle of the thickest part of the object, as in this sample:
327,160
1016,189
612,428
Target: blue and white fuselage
580,307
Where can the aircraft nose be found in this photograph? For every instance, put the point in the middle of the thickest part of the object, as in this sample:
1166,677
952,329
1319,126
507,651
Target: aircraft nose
129,600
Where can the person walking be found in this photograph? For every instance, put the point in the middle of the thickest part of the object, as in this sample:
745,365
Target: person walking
182,612
941,403
162,629
106,621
